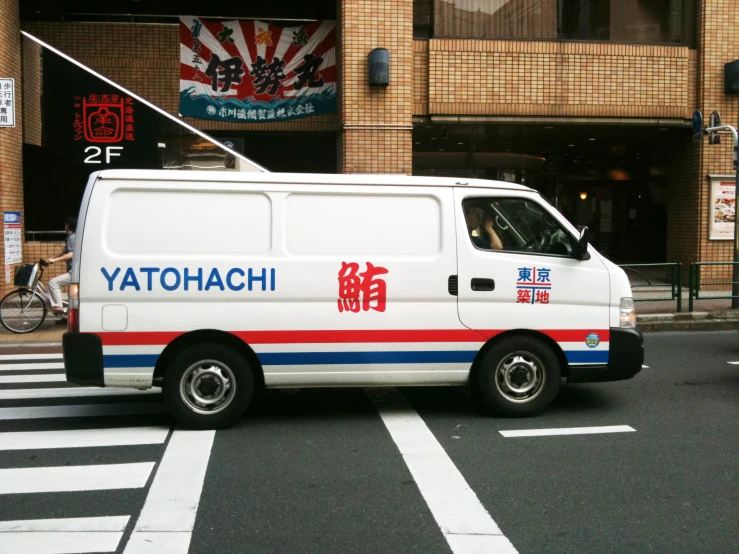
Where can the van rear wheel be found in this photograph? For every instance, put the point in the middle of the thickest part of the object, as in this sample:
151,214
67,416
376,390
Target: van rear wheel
518,377
208,386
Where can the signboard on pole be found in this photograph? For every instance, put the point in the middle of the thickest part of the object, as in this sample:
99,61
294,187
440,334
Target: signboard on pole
13,242
7,102
722,205
251,71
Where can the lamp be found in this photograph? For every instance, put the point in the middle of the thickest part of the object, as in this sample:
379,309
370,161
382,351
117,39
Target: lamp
583,195
379,67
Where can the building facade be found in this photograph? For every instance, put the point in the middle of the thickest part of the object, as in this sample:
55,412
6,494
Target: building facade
588,101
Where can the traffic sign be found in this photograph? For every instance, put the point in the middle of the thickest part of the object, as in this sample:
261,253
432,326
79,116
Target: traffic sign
697,121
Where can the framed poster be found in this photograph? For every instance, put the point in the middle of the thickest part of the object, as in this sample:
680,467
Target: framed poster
722,206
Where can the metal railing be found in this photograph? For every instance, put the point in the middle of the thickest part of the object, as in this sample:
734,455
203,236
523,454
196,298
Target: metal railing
675,284
695,283
31,235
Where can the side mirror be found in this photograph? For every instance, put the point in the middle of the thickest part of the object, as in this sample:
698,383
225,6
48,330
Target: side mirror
582,245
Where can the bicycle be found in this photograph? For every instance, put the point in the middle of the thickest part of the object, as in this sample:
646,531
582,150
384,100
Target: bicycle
23,310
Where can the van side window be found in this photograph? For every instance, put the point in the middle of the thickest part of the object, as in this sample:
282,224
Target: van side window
515,225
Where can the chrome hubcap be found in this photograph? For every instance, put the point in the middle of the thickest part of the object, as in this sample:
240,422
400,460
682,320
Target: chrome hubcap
208,387
520,377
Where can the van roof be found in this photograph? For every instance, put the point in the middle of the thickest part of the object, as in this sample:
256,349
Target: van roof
308,178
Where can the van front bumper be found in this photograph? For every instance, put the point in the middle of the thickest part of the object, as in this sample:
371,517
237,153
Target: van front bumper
625,359
83,359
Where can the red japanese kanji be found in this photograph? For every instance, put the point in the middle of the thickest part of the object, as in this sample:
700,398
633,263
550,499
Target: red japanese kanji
524,296
542,296
353,285
349,284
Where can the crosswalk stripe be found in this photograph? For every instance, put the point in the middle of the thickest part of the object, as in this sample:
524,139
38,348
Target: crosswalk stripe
31,367
463,520
105,523
71,542
82,438
82,410
47,378
568,431
13,357
170,508
18,394
74,478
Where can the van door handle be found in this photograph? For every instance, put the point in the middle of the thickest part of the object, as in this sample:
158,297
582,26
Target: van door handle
479,284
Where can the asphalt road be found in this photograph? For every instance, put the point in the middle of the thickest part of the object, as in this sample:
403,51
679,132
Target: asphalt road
347,471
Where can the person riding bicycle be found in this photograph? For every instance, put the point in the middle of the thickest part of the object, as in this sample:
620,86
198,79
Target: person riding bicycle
65,279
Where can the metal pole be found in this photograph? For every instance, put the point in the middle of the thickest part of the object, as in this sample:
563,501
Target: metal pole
691,279
679,286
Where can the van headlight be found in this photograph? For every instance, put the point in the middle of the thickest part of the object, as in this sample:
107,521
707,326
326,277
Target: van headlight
628,313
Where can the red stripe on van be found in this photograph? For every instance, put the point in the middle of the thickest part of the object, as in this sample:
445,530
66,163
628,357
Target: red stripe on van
560,335
349,336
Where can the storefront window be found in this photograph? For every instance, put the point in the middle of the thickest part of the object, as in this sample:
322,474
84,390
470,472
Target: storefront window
622,21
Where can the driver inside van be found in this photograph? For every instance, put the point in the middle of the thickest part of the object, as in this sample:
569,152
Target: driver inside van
474,216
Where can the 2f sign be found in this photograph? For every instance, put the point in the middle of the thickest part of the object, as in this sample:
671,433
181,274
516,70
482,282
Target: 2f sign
94,153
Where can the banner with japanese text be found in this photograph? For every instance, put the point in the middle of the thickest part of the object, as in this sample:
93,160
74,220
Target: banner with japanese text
247,71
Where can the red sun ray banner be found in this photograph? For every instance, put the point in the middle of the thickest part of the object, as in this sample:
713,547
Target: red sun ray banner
249,71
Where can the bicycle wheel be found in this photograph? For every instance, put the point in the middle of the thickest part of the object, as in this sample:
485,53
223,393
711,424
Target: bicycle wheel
22,311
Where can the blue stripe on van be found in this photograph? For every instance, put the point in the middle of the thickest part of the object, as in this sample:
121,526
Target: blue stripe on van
587,356
130,360
377,357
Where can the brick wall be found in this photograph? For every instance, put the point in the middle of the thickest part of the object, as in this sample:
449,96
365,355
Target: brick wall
556,79
145,58
420,77
683,220
31,62
376,135
718,44
11,139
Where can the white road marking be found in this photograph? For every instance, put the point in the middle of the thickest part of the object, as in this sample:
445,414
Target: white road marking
733,363
568,431
82,438
463,520
16,394
48,378
74,478
83,410
71,542
644,366
168,517
108,523
30,367
13,357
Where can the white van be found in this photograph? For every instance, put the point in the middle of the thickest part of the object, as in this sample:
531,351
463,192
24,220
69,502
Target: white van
212,285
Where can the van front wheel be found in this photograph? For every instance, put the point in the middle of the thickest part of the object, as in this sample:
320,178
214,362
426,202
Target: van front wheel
518,377
208,386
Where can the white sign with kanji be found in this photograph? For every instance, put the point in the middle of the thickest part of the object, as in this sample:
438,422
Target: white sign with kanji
7,102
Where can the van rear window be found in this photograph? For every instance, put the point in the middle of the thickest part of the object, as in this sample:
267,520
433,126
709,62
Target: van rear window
177,222
321,224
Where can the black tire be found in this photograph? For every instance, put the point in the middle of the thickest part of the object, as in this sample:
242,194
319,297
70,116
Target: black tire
195,365
521,358
22,311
